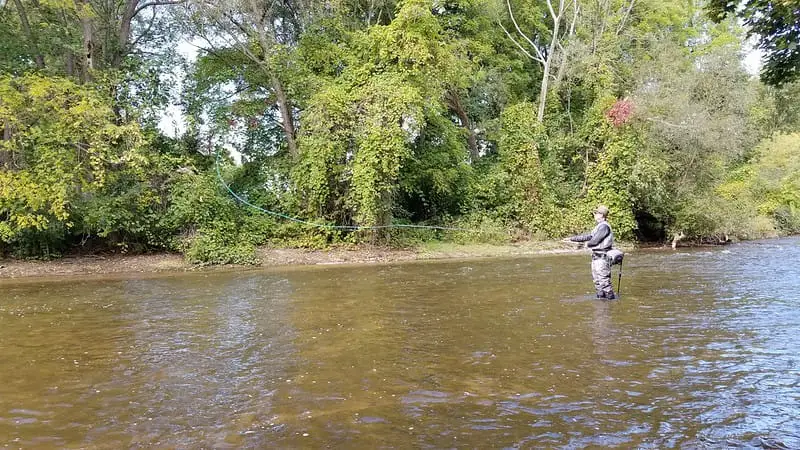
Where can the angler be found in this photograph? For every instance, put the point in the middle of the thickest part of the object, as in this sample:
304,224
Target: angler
601,240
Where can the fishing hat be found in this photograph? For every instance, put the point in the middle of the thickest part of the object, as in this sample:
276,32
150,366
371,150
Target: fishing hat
601,209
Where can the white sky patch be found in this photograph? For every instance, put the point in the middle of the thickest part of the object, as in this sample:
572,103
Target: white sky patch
173,122
753,61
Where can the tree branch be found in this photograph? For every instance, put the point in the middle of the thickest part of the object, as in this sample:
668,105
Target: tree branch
144,6
516,25
669,124
625,17
519,45
145,32
26,28
556,17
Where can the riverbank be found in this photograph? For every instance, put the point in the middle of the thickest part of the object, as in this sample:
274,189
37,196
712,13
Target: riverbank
271,257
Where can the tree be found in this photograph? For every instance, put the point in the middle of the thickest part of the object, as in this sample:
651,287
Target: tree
360,127
59,145
263,32
777,26
74,38
544,44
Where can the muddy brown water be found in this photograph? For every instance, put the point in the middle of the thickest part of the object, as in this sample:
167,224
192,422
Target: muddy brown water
702,351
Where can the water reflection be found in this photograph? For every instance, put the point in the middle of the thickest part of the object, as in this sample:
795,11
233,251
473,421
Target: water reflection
602,334
493,353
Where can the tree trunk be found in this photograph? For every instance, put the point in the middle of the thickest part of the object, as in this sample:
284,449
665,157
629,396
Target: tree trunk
562,70
564,57
547,64
69,55
5,155
26,28
124,33
454,102
287,121
87,63
69,63
284,105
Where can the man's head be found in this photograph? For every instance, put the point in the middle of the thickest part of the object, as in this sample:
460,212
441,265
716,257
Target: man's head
600,213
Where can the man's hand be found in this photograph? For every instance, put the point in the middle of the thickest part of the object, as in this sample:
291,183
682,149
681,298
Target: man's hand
568,241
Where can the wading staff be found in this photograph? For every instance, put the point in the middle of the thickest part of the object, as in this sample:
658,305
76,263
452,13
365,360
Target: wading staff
619,280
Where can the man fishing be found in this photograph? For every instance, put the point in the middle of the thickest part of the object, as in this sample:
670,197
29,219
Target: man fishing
600,241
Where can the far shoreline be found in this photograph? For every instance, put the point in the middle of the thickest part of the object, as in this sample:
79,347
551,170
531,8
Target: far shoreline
114,265
73,266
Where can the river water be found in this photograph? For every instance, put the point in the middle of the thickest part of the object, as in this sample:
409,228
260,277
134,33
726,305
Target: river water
701,351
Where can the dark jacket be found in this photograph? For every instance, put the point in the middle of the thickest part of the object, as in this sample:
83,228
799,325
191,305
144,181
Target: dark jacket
600,240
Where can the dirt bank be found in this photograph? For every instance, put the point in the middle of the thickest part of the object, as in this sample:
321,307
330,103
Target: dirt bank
269,257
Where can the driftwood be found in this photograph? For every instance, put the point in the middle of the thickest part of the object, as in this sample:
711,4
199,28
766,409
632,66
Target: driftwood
716,239
677,238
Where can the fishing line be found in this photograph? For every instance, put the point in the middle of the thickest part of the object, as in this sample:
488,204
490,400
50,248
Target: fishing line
326,226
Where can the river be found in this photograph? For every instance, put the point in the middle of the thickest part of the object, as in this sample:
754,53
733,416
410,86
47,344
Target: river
701,351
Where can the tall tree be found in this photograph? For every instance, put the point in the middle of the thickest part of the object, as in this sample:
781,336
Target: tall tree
542,41
106,32
262,31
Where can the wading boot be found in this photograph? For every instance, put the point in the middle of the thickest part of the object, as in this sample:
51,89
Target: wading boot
609,296
601,294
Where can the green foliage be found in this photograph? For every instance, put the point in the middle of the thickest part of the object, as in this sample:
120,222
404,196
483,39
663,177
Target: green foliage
62,145
387,112
434,181
480,227
128,214
392,114
362,124
297,235
758,199
769,186
707,218
215,229
220,244
610,179
411,237
776,26
520,148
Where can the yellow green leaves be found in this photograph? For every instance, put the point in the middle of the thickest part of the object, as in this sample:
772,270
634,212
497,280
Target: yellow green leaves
355,145
772,181
521,145
360,128
61,146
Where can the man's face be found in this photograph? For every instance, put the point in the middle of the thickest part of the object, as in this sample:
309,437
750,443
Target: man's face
598,217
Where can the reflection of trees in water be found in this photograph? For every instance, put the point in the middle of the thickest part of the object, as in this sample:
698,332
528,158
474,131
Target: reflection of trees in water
602,333
414,349
349,351
383,355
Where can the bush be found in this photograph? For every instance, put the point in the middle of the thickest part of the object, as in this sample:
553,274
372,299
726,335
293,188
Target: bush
216,245
63,145
480,228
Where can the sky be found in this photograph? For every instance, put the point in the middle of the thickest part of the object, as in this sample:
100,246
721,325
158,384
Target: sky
172,121
753,61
